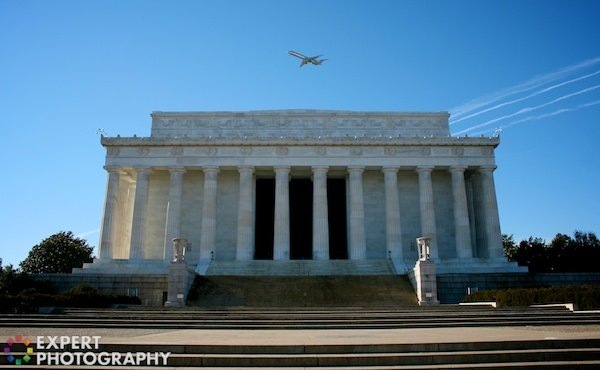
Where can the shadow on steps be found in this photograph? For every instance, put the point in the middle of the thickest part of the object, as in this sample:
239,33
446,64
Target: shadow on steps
302,291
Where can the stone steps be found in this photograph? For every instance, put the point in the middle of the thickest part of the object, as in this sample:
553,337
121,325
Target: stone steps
302,291
300,268
544,354
547,354
364,318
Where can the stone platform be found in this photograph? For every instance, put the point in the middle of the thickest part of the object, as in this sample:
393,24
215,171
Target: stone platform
490,339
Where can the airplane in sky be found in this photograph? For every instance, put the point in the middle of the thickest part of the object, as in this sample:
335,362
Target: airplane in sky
305,59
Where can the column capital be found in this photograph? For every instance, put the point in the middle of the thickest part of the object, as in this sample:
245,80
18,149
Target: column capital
282,169
320,169
142,169
390,169
486,169
177,169
457,168
111,169
356,169
246,169
210,169
424,169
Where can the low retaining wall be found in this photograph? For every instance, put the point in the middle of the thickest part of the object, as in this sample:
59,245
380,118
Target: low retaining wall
453,287
151,289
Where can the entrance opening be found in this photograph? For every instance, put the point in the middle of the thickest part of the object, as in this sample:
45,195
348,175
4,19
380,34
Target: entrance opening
301,208
336,206
265,218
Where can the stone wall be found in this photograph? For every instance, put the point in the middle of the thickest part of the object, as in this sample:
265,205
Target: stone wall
453,287
151,289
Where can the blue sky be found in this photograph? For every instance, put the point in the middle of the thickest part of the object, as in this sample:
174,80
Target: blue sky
68,68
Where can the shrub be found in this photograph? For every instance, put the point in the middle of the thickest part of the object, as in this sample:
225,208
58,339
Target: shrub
30,300
583,296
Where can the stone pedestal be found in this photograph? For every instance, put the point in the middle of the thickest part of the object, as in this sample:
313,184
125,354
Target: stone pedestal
423,275
181,276
426,285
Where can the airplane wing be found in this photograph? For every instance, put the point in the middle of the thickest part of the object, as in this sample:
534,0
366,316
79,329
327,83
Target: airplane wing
296,54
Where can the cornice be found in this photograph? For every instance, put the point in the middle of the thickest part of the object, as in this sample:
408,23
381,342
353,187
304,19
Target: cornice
298,113
295,141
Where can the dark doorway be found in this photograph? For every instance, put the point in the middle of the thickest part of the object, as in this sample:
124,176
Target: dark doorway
301,207
336,206
265,218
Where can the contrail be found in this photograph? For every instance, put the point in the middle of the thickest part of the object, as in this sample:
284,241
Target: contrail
528,109
524,98
87,233
555,113
533,83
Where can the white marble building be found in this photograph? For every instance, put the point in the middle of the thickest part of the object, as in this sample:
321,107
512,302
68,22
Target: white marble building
300,184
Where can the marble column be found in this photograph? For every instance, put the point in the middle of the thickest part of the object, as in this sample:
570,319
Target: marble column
245,218
493,237
174,209
462,229
428,229
208,227
479,216
358,243
109,218
392,214
129,217
140,206
471,208
281,239
320,214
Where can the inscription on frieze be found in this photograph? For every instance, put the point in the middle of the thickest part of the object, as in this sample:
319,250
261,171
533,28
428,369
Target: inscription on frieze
458,152
282,150
356,151
177,151
320,150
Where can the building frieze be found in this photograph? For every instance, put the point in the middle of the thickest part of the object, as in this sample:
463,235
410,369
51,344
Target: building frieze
198,151
300,141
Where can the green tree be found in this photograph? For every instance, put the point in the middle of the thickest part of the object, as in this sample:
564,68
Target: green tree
532,253
510,247
564,253
13,281
60,252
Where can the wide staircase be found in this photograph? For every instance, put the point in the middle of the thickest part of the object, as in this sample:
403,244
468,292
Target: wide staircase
422,352
302,291
300,268
547,355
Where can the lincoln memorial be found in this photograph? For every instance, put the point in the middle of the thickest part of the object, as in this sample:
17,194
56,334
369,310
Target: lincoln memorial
304,188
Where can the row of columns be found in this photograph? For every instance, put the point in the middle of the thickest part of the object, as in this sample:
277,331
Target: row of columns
489,227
